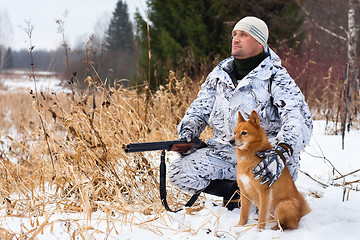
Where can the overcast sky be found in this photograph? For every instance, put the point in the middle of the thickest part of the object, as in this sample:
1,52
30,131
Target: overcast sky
84,17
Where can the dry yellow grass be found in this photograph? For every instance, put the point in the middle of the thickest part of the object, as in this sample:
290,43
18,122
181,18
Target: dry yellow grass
80,165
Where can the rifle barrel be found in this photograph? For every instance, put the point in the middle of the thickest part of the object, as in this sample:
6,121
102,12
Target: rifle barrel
152,146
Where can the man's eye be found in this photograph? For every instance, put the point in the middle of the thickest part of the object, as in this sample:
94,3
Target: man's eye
243,133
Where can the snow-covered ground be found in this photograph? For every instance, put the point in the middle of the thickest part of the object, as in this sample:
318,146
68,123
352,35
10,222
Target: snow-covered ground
331,217
21,81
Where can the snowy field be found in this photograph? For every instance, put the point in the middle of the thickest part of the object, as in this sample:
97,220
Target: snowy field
20,81
335,209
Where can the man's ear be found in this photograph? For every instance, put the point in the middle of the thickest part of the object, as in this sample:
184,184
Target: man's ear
240,118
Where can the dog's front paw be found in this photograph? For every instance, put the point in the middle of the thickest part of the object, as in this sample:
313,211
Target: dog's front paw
242,222
276,227
261,226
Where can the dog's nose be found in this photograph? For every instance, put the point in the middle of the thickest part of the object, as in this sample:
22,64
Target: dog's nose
232,142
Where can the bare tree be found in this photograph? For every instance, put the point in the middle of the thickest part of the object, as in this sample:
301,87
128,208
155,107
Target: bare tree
353,68
101,27
343,28
5,36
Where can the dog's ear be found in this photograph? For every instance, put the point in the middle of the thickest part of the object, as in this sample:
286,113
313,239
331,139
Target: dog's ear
240,118
254,118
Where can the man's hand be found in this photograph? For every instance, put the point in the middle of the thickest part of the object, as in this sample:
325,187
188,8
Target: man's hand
186,134
271,167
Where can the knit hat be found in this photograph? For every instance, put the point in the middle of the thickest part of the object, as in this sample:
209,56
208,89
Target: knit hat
254,26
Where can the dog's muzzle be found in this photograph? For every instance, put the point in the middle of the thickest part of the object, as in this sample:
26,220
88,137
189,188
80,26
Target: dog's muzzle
232,142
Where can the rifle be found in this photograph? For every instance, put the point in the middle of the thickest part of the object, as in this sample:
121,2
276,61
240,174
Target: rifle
181,146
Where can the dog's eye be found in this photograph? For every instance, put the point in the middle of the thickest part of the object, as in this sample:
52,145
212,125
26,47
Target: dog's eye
243,133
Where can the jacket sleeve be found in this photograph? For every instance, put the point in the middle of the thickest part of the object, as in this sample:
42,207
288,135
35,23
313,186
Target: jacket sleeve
197,115
293,111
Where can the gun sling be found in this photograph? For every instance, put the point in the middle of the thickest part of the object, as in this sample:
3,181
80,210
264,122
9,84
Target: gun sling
163,186
178,146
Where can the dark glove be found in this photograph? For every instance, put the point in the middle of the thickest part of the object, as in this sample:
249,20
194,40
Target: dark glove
271,167
186,134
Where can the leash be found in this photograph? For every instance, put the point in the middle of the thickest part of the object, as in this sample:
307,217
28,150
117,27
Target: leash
163,187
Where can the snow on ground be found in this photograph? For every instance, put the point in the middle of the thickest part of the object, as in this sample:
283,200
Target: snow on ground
21,81
331,217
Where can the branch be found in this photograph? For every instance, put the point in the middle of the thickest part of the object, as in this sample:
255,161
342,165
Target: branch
346,174
356,181
321,27
307,174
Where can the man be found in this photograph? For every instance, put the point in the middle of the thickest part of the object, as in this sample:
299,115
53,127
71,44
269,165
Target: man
251,79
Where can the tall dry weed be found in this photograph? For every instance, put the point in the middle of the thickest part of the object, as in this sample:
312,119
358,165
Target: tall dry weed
85,133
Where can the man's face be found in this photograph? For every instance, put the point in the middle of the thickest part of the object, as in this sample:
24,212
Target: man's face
244,45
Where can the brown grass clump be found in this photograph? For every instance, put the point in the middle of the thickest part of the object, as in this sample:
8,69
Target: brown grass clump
85,169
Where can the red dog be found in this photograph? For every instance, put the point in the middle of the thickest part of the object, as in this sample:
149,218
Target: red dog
282,200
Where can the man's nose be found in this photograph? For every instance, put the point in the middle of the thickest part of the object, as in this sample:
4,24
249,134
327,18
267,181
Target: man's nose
236,38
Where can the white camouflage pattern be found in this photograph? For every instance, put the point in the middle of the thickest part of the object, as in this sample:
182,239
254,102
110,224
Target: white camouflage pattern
286,119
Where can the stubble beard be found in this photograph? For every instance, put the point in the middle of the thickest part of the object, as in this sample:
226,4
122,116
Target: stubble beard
237,53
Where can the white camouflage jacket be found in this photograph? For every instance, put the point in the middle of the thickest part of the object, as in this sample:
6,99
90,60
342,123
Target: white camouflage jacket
281,107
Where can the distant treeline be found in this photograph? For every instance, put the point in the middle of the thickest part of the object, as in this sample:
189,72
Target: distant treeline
43,60
110,56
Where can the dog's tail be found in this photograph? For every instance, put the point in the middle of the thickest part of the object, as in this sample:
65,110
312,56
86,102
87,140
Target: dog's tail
289,212
305,206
